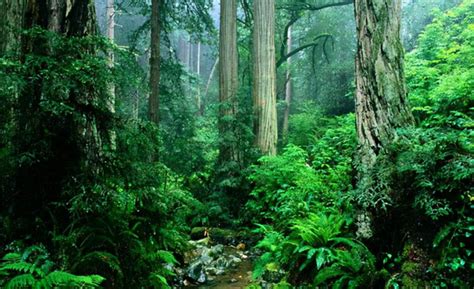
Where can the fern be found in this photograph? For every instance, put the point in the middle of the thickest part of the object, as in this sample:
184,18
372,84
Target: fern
21,281
31,270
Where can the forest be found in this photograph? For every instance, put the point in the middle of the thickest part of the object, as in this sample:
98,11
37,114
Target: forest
257,144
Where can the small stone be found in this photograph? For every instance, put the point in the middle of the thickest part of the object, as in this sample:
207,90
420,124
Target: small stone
240,247
202,278
233,280
235,260
211,271
220,272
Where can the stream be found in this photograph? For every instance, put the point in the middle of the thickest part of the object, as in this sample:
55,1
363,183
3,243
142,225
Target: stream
217,266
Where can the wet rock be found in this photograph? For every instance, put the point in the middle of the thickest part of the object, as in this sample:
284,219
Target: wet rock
211,271
234,261
216,250
221,263
196,272
222,236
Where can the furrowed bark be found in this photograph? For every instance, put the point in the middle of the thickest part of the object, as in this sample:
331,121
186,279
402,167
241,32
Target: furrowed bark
264,71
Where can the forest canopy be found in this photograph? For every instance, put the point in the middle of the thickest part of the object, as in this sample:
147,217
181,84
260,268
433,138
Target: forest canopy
236,144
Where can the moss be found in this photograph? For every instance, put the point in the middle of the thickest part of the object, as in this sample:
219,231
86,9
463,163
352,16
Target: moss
410,282
411,268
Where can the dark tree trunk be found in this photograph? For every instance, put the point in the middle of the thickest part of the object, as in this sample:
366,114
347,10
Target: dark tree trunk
55,149
288,88
154,100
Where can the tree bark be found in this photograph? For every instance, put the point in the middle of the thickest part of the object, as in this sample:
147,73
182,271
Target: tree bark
286,115
110,12
211,75
64,147
74,18
154,99
11,21
198,72
381,98
264,77
228,78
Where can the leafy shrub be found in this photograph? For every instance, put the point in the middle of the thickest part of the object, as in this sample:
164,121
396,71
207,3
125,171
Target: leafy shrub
306,124
285,187
33,269
317,251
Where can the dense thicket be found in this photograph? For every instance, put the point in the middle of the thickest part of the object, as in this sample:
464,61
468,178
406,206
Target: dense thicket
115,150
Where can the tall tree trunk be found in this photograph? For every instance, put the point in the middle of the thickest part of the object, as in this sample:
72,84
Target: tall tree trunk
228,78
188,52
110,11
198,72
211,76
64,146
264,76
154,99
75,18
286,115
381,100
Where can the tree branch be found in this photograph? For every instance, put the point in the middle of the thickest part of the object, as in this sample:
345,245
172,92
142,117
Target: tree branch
312,7
293,19
285,57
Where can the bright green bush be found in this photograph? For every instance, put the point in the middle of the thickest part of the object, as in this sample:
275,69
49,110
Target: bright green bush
286,187
318,251
290,185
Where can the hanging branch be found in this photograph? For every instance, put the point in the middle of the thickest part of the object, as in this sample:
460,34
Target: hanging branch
294,17
312,7
313,44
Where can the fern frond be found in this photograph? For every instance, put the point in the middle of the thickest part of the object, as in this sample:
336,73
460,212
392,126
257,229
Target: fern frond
23,267
11,257
100,257
21,281
64,278
166,257
327,273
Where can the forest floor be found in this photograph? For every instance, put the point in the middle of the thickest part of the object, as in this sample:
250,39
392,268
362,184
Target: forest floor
223,262
238,277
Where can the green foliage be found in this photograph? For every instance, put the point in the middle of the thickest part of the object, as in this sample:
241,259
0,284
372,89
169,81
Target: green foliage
290,185
33,269
440,70
305,125
127,227
285,186
317,251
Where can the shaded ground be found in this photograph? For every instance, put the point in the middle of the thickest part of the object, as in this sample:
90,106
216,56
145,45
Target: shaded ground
238,277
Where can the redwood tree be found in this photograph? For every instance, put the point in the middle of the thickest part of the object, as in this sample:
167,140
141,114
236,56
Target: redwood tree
381,105
228,79
381,97
58,147
264,76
